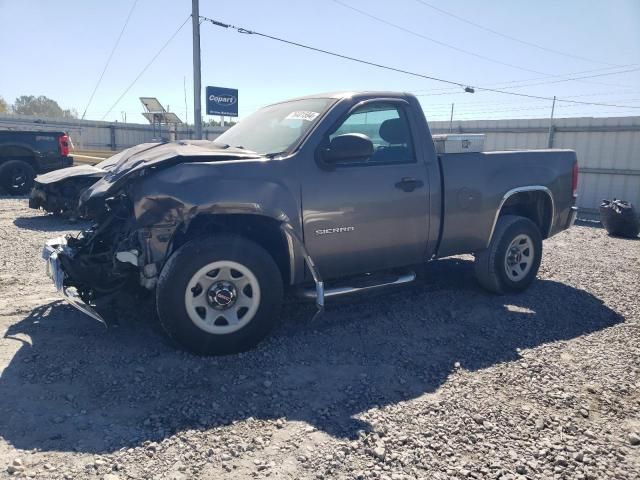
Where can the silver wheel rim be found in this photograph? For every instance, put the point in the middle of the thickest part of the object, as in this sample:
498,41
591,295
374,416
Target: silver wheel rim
519,258
222,297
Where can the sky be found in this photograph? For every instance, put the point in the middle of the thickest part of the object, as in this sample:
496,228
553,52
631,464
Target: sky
59,49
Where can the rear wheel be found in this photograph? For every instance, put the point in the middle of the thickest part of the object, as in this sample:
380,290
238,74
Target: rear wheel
220,295
16,177
513,258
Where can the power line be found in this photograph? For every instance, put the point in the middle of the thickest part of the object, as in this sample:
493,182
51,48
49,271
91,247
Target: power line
425,37
557,99
431,39
579,114
126,22
447,105
146,66
466,87
488,109
467,112
577,78
515,39
574,79
553,81
565,75
346,57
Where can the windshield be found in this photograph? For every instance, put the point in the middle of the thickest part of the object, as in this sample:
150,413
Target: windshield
276,128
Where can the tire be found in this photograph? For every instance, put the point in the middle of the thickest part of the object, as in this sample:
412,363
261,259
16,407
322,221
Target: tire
16,177
512,260
202,273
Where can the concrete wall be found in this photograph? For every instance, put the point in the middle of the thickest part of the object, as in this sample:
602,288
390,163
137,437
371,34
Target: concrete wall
92,135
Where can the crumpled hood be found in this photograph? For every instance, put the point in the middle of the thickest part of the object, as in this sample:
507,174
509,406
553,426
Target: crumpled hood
70,172
190,150
147,156
98,170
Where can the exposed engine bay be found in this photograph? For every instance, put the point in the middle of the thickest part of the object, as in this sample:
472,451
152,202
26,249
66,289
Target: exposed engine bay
100,261
92,265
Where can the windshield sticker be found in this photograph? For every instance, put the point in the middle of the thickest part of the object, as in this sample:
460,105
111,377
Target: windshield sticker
302,115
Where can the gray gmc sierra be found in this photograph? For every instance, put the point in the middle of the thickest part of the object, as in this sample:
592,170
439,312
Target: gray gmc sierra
325,195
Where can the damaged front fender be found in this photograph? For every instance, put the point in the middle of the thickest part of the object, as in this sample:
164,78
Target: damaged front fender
167,203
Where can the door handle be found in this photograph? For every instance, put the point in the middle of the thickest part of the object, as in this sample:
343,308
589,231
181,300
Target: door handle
409,184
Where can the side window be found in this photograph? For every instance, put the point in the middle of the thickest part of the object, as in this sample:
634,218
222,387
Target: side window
387,127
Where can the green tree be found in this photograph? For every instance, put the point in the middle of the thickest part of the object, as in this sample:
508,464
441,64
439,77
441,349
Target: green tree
4,106
46,107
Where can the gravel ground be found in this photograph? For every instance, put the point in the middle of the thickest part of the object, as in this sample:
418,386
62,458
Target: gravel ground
439,380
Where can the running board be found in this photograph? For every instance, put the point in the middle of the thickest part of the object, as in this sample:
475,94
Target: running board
310,293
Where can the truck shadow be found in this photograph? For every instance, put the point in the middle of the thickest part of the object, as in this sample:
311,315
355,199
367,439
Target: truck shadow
589,223
79,387
49,223
6,196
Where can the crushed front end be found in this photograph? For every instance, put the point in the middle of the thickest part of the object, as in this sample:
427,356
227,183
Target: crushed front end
98,262
51,253
136,209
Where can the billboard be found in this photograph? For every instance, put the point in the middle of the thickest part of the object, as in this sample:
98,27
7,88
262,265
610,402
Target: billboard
222,101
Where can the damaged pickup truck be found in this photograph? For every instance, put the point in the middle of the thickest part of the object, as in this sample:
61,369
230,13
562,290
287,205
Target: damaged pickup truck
326,195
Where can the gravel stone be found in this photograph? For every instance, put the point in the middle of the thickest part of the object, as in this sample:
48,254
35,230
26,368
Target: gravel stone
438,380
379,453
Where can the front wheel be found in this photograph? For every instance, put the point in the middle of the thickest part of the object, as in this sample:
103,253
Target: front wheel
218,296
513,258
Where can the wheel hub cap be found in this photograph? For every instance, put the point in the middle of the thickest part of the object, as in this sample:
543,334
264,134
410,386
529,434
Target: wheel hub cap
222,295
519,258
515,256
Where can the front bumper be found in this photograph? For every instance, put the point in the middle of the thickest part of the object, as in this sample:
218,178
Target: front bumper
50,252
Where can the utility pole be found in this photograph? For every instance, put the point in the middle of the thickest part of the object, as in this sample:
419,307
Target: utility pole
197,87
186,105
451,119
550,137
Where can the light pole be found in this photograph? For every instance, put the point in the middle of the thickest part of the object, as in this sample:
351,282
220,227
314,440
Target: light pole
550,136
197,87
451,119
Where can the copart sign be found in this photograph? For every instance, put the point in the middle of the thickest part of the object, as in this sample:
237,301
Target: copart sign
222,101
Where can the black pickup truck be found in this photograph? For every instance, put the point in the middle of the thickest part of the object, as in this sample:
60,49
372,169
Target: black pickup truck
25,153
325,195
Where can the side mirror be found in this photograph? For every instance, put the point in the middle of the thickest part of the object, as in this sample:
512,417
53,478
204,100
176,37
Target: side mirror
348,147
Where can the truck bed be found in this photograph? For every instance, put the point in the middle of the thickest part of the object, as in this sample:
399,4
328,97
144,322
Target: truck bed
475,185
